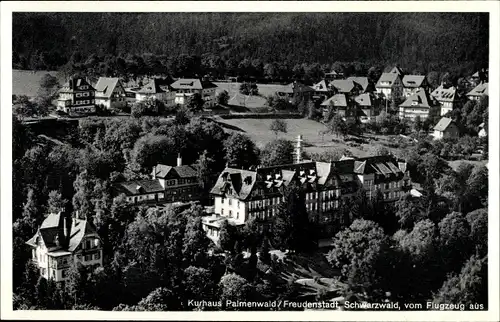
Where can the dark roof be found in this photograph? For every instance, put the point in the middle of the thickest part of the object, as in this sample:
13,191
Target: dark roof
151,88
387,77
443,124
338,100
106,85
73,85
192,83
364,82
48,232
419,99
413,81
397,70
442,94
139,187
363,99
183,171
322,86
479,90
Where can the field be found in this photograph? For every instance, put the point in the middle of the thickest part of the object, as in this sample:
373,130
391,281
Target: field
454,164
235,98
258,131
26,82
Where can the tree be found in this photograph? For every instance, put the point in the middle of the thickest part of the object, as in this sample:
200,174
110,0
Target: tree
408,212
234,288
195,243
198,284
265,256
249,88
478,222
291,228
358,251
56,202
139,109
432,166
278,125
337,126
223,98
240,151
454,232
470,287
476,194
277,152
48,83
227,236
195,103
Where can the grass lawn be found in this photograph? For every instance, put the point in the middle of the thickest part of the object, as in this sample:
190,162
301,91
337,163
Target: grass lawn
454,164
258,130
25,82
249,101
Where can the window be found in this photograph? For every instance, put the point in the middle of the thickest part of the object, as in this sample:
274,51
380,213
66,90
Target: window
222,200
238,204
97,255
88,258
237,215
78,94
222,212
386,186
229,201
230,213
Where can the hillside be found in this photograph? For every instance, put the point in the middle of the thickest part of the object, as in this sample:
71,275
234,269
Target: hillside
414,40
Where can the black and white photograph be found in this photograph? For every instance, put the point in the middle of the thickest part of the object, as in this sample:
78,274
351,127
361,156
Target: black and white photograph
334,162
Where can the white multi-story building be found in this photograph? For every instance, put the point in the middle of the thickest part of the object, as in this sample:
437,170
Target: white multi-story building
447,97
61,240
186,87
241,195
110,93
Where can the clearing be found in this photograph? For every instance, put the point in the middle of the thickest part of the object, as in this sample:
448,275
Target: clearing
27,82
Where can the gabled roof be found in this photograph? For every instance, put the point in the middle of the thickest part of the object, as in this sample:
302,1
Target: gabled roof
322,86
192,83
364,82
106,85
73,85
397,70
338,100
443,124
364,100
345,85
442,94
139,187
49,231
413,81
183,171
235,182
387,77
419,99
295,87
151,88
479,90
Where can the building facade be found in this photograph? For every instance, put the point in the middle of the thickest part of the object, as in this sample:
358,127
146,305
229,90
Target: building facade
413,83
418,104
110,93
186,87
447,98
62,240
478,92
76,96
241,195
446,128
390,85
168,184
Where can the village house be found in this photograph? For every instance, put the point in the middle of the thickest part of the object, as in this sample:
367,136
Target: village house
413,83
241,195
390,85
481,76
344,106
322,90
347,87
446,128
448,98
62,240
478,92
186,87
295,91
153,90
334,75
168,184
366,85
418,104
366,102
110,93
76,96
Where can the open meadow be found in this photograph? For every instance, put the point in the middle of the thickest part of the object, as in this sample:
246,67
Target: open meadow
27,82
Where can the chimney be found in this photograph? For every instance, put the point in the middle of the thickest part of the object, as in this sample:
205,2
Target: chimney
179,160
298,149
68,221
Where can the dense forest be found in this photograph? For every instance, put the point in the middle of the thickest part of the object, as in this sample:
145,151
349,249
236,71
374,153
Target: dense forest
424,41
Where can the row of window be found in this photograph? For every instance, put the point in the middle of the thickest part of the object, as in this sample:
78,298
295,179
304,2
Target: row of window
91,243
90,257
84,102
85,94
230,202
230,213
392,195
